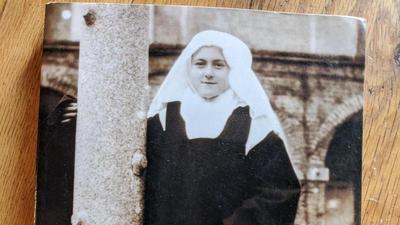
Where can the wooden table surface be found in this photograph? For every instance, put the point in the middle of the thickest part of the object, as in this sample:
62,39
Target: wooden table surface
21,35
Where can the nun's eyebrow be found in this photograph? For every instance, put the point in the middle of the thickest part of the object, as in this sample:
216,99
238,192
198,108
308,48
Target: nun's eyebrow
218,61
199,60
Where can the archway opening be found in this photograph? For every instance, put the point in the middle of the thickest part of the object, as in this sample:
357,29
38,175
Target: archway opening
343,191
55,160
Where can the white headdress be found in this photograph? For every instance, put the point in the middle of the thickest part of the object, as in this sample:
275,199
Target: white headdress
242,81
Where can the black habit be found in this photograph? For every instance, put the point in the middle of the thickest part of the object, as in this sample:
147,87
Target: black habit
211,181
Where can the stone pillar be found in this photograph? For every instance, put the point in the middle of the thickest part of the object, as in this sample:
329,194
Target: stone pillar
301,208
317,177
112,95
315,203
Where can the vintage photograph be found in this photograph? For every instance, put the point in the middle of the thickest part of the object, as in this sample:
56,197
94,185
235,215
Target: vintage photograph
162,115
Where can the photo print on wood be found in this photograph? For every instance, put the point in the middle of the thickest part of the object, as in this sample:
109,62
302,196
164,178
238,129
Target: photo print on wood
159,115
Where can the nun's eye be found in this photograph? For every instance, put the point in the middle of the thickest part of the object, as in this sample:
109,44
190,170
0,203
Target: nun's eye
219,64
200,63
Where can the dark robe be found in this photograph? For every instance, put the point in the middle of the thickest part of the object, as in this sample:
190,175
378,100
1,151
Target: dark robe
207,181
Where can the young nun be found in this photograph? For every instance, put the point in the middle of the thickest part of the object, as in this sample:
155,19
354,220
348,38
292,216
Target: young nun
215,146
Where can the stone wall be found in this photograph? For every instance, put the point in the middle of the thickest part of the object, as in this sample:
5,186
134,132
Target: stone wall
274,31
60,67
314,34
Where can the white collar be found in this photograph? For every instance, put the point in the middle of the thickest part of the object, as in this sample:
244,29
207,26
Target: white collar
206,118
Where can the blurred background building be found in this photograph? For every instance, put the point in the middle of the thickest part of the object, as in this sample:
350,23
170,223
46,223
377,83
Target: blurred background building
310,66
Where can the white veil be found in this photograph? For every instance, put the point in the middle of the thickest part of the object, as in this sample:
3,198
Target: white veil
242,80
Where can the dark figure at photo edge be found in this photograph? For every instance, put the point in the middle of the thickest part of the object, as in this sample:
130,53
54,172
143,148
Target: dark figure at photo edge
215,147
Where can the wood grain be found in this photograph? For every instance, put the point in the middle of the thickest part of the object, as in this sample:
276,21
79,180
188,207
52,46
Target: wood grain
21,33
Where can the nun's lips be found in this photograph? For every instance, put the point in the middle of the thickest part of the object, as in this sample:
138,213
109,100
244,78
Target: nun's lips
208,82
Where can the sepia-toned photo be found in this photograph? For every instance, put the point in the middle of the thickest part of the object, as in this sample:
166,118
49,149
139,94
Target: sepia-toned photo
176,115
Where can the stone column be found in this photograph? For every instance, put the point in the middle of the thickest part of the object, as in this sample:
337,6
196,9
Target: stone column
112,95
317,176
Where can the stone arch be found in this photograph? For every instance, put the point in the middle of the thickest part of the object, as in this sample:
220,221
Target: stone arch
60,67
339,115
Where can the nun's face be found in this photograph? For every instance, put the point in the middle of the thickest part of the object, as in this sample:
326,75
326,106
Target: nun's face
209,72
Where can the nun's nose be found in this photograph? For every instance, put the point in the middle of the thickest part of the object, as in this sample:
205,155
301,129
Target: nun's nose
208,76
208,73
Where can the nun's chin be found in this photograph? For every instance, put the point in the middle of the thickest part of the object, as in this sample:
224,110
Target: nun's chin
209,94
209,98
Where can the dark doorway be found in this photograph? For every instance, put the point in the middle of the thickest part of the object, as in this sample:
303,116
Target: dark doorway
55,160
343,191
